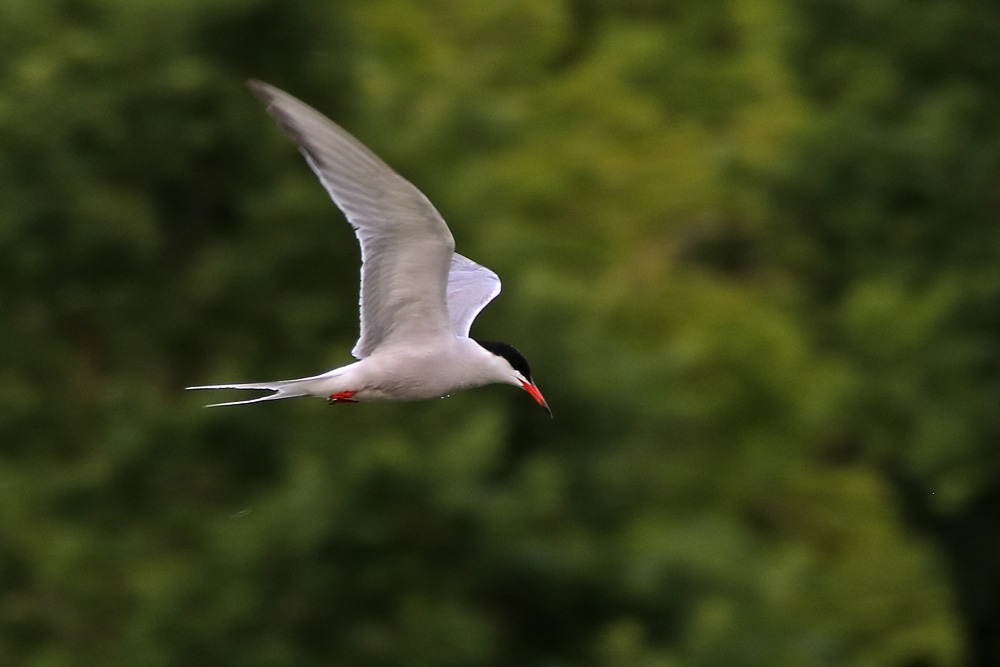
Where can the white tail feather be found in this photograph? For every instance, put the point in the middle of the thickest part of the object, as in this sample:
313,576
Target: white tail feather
282,389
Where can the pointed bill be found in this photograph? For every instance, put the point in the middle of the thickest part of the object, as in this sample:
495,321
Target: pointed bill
537,395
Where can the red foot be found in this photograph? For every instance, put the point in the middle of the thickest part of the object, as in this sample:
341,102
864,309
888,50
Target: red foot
342,397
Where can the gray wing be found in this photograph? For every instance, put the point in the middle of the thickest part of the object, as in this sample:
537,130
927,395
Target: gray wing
406,247
470,287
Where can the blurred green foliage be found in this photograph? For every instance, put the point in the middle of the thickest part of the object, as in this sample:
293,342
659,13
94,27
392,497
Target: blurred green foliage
750,247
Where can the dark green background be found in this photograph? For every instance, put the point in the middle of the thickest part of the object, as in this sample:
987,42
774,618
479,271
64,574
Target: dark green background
751,249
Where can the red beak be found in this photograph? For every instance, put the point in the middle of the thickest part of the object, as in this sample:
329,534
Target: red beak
537,395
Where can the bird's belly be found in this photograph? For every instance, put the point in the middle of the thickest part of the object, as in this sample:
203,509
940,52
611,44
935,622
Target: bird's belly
414,377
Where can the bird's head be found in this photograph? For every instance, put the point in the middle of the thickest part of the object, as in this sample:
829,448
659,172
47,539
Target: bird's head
513,369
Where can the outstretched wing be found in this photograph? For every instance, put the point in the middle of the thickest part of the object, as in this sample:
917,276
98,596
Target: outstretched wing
470,287
406,247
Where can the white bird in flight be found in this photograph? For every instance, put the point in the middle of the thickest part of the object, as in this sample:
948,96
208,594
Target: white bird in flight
418,296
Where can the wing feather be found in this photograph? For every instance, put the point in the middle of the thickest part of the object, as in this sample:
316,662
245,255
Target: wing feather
406,246
470,287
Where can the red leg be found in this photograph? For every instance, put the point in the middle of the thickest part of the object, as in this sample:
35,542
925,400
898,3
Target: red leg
342,397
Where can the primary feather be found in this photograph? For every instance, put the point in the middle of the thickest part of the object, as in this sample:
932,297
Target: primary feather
406,246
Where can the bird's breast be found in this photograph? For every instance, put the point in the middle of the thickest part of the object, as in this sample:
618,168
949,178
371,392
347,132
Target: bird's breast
417,374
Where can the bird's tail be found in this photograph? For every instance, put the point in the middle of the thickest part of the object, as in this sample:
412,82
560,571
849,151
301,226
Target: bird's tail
280,389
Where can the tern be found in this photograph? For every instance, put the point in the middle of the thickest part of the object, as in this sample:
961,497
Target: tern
418,296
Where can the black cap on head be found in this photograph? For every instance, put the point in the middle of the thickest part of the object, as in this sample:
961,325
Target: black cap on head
513,357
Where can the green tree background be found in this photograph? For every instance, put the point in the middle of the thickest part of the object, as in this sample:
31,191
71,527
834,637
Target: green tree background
751,248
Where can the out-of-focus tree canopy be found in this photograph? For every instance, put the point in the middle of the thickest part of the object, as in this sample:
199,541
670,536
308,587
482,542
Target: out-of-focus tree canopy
751,249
